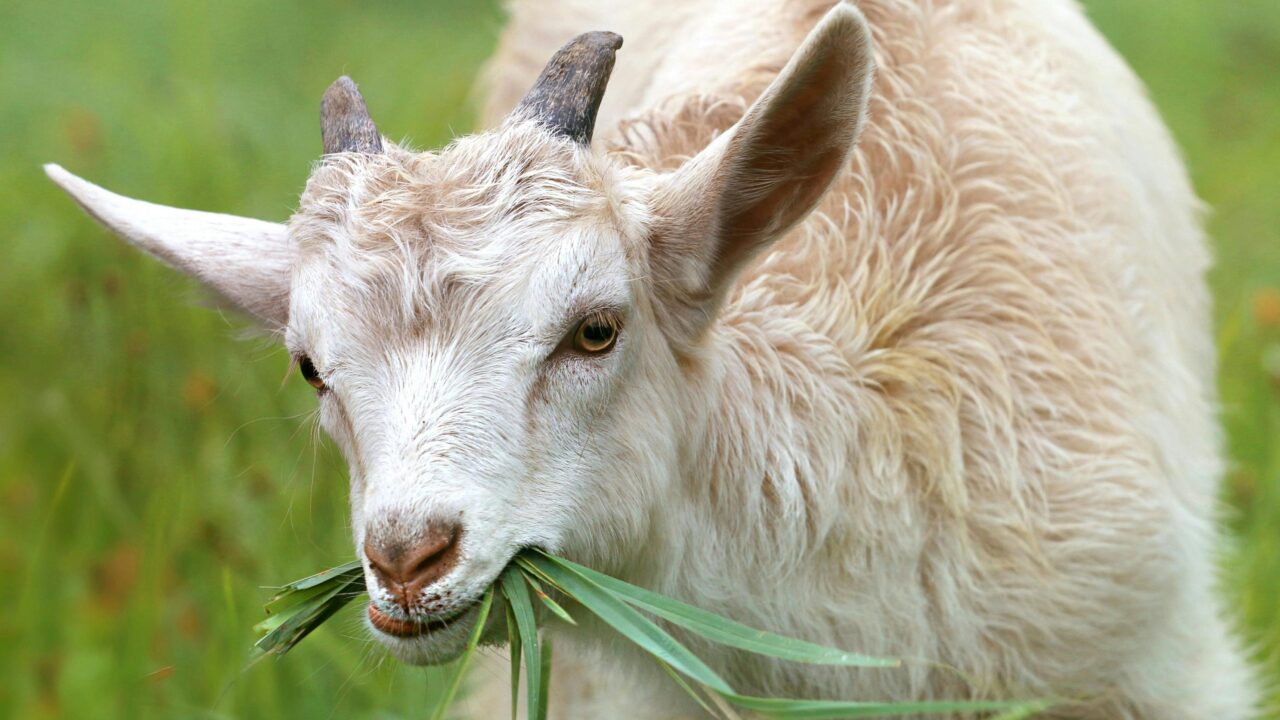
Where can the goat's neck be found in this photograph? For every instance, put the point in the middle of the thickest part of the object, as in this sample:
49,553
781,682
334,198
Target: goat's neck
747,512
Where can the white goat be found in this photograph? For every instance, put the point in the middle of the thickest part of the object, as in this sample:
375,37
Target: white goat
947,397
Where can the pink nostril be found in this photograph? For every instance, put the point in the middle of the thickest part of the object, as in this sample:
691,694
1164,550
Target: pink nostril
406,568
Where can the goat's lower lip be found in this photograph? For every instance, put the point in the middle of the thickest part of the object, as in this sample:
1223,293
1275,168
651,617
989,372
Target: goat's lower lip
406,628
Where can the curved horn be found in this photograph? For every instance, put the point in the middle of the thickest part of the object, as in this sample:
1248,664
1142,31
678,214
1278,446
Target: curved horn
566,96
345,124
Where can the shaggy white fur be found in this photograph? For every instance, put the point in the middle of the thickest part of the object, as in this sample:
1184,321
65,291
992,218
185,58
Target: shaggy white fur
947,396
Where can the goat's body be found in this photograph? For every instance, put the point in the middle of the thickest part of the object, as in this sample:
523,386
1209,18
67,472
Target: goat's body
961,413
964,413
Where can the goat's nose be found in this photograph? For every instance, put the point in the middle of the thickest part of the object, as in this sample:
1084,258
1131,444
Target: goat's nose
405,568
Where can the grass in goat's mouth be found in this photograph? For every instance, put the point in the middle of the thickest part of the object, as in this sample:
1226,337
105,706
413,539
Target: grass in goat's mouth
303,605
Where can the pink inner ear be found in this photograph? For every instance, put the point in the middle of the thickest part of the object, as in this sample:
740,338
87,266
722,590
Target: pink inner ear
745,190
788,157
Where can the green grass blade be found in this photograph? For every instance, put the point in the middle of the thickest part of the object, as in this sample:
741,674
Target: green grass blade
531,570
345,572
544,694
513,643
517,594
296,620
1027,710
303,605
292,628
460,669
349,577
285,601
797,709
630,623
546,599
688,689
722,630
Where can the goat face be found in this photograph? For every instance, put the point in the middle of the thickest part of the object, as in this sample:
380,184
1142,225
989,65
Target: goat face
511,339
486,355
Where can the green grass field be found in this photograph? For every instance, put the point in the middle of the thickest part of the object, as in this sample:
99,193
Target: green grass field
156,470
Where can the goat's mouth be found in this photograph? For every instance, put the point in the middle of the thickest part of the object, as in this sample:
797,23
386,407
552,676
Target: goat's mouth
419,640
409,628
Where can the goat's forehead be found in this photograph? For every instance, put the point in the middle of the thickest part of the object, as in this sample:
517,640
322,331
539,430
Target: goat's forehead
514,175
485,226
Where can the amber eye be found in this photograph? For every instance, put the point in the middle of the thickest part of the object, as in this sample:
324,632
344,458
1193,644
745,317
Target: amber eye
309,373
596,334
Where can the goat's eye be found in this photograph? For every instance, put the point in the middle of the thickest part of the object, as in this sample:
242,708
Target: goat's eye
309,373
596,334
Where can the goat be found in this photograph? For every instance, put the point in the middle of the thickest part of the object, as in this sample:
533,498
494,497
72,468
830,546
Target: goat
945,393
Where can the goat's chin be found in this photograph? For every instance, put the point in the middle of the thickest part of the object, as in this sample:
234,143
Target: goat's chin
436,647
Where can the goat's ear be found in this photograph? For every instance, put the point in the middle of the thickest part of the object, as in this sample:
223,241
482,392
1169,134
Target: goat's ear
247,262
757,180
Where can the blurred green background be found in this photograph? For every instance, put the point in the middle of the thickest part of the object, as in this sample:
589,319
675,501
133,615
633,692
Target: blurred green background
157,469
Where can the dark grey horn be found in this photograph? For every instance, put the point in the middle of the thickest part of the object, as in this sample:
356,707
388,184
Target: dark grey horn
566,96
345,124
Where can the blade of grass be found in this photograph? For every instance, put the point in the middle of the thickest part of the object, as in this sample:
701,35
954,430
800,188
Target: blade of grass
460,669
517,594
284,602
720,629
796,709
544,694
571,578
513,642
292,628
630,623
1028,710
546,599
348,571
298,620
688,689
301,606
723,706
531,570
